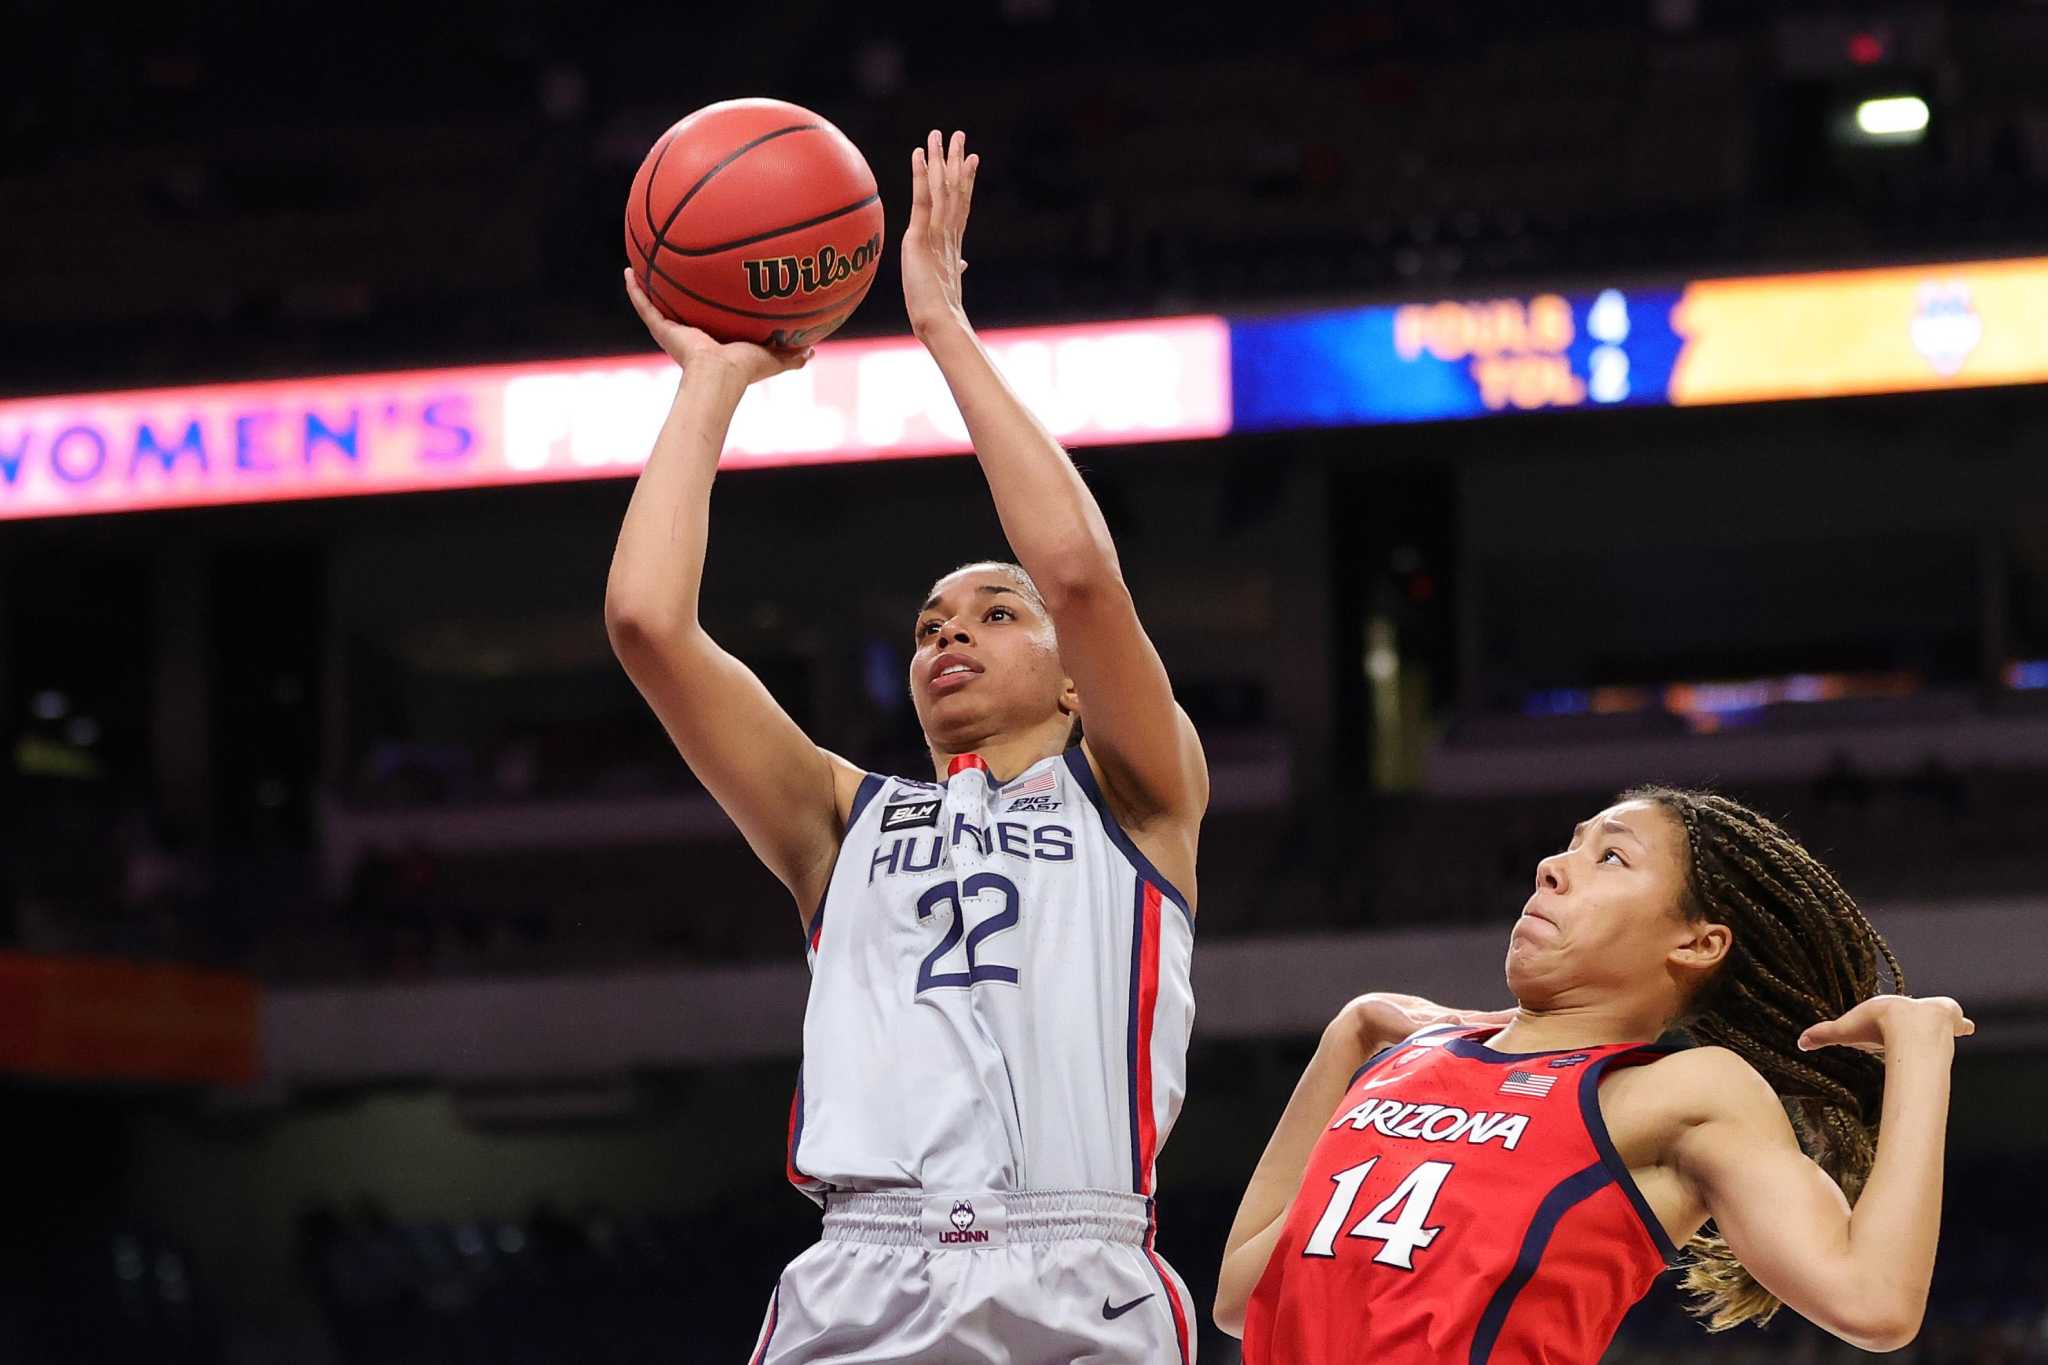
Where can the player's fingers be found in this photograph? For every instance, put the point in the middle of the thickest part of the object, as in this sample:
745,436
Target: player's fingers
920,185
956,158
642,305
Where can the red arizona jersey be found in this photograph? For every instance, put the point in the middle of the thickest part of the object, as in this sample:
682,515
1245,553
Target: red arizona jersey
1463,1205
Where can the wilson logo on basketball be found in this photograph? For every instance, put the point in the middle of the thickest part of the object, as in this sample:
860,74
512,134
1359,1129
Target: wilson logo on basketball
779,277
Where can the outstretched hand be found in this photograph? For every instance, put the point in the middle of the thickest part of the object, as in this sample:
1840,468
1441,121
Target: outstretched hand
690,347
941,192
1881,1020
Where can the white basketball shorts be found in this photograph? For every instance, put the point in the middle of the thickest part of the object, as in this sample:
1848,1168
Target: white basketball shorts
1039,1277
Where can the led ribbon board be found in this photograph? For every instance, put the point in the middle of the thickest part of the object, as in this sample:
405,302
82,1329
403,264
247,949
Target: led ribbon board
1837,334
413,431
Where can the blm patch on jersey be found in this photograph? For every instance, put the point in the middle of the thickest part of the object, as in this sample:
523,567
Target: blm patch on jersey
911,815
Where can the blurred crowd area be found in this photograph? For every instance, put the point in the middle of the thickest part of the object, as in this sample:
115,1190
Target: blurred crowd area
461,886
196,196
611,1287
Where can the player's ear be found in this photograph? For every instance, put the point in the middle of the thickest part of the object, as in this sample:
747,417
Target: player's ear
1070,705
1704,948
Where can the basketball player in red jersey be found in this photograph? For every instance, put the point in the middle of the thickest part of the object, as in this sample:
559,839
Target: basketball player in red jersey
1471,1187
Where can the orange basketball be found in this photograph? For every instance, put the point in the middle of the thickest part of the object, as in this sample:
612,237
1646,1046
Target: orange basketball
755,220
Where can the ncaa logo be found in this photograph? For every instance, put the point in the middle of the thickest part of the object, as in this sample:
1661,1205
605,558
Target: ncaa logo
911,815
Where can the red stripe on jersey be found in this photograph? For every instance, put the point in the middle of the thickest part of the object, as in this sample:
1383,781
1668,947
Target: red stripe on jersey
796,1118
767,1328
1180,1318
1148,1002
962,762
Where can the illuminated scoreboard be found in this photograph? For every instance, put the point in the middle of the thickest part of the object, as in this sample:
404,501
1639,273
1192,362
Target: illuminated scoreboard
1428,362
1836,334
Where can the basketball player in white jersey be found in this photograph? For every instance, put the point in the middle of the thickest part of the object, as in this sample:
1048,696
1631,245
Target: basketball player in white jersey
995,1044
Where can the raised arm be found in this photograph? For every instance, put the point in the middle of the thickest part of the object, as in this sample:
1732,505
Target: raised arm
1361,1029
1862,1273
787,795
1150,759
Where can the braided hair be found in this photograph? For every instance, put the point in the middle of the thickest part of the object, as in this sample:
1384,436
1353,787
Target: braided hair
1802,953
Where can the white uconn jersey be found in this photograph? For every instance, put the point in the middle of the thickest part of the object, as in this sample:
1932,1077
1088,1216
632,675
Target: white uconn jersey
999,993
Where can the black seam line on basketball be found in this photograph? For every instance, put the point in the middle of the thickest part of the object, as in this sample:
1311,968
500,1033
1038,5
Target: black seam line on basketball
728,308
647,206
661,234
765,236
647,193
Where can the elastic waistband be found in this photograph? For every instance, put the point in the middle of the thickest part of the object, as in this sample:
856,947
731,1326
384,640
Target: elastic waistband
968,1222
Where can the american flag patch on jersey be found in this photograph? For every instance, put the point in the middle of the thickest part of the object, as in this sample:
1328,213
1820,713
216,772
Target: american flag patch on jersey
1037,786
1525,1083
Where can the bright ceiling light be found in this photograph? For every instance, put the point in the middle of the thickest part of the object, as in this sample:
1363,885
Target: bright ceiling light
1893,116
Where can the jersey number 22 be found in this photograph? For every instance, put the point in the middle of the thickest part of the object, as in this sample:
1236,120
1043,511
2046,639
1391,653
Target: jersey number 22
953,897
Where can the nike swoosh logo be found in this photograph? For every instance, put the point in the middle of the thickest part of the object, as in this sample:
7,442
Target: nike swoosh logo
1110,1314
1384,1080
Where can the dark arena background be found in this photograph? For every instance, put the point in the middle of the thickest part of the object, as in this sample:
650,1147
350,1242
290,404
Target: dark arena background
1496,404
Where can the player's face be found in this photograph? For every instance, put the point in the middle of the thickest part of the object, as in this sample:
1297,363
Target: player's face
986,660
1606,914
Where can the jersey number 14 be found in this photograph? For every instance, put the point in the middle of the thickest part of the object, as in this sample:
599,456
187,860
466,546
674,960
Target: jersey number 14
1396,1222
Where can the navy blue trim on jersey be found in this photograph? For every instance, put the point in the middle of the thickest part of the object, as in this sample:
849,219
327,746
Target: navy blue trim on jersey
1596,1125
1131,1042
870,784
1480,1052
1412,1040
1077,763
1415,1039
1566,1195
1370,1063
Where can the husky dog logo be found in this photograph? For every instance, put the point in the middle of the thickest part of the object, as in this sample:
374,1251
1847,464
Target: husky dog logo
964,1232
